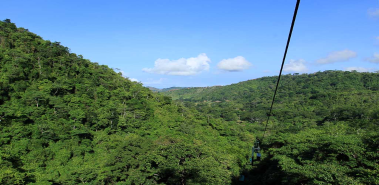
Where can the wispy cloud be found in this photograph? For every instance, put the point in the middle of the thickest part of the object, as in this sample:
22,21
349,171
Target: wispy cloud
359,69
296,66
238,63
182,66
337,56
374,58
151,81
373,12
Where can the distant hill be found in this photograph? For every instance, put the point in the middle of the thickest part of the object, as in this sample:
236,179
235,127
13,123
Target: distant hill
166,89
321,92
153,89
323,81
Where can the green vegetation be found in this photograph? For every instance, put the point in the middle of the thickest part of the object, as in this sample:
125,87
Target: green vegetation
66,120
324,127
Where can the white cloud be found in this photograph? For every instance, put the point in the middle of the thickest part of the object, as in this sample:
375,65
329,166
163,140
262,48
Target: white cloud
295,66
373,12
238,63
337,56
182,66
151,81
358,69
374,59
133,80
266,71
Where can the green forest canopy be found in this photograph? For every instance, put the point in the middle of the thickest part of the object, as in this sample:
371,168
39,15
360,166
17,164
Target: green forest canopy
66,120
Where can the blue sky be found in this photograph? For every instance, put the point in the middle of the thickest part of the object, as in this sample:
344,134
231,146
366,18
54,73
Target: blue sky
204,43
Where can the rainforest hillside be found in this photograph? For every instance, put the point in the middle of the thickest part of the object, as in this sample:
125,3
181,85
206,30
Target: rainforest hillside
67,120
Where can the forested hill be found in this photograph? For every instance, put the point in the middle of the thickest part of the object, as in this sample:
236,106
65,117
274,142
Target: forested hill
66,120
305,84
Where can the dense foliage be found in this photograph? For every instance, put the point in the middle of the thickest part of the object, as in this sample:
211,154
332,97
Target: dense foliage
66,120
324,127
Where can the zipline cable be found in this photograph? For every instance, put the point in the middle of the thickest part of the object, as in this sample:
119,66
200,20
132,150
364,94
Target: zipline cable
281,68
